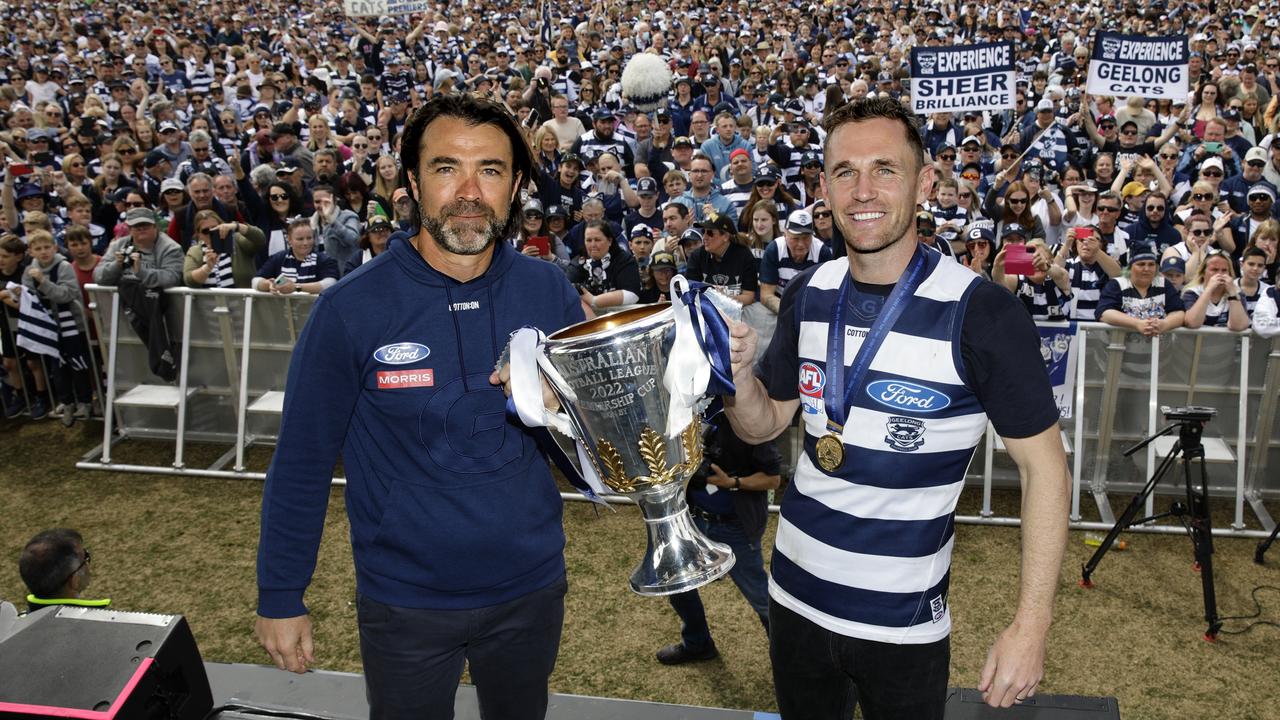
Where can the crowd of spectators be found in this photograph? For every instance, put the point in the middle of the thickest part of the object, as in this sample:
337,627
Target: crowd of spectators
162,144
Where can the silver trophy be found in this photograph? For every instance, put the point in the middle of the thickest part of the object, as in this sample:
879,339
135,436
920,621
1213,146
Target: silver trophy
611,388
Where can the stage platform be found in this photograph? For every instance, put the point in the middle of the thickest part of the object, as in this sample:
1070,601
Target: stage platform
340,696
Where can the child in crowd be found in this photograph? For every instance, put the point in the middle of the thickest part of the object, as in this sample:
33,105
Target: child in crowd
52,279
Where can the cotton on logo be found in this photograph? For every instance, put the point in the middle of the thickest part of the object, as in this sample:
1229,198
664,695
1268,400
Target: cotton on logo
812,380
392,379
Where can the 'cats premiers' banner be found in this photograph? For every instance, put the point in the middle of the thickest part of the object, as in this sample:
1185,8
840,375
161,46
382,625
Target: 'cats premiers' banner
1153,67
383,8
965,77
1058,347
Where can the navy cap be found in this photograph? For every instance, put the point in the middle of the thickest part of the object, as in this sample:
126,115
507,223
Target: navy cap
602,113
662,260
153,158
766,173
1173,264
719,222
979,232
646,186
1142,252
26,190
557,211
1013,229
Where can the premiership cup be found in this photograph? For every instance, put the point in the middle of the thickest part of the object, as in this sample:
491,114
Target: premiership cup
617,405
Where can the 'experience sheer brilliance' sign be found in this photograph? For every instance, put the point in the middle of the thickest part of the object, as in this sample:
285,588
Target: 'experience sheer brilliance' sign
965,77
1152,67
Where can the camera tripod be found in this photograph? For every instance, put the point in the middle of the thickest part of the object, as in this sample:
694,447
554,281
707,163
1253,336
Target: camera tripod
1193,514
1265,545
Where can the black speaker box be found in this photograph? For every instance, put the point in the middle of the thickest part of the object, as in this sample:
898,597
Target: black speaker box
97,664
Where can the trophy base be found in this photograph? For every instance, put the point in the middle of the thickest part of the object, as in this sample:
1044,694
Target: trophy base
679,557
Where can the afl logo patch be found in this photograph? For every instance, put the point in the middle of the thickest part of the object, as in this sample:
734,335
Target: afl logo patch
401,353
812,380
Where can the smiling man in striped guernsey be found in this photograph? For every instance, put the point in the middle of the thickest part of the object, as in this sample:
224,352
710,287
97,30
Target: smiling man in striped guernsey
896,361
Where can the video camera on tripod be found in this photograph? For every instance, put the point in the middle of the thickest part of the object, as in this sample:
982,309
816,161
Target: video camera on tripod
1189,421
1188,413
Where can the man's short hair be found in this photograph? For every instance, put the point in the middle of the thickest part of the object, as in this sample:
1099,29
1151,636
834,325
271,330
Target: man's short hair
49,560
871,109
332,153
196,177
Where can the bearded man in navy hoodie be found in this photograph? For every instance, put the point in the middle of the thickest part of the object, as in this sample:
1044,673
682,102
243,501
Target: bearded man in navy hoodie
455,519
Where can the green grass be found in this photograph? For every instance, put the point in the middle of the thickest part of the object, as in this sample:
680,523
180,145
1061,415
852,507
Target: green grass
183,545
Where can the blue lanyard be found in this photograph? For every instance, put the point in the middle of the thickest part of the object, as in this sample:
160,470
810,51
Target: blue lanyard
889,314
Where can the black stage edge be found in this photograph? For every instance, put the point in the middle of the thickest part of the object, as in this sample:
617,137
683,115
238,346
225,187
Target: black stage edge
340,696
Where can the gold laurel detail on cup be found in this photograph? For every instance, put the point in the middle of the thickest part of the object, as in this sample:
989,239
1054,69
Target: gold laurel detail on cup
691,439
615,473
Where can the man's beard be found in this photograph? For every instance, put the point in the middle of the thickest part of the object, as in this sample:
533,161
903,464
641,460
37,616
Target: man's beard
465,240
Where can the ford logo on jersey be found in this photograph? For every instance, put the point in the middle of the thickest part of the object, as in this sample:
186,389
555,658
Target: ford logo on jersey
811,380
903,395
401,353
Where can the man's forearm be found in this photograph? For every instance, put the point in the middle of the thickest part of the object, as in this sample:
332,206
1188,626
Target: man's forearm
756,417
1045,508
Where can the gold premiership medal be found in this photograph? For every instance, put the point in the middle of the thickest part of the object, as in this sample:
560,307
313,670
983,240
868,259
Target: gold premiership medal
830,452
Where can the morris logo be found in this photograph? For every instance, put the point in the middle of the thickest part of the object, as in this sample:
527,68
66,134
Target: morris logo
812,380
903,395
401,353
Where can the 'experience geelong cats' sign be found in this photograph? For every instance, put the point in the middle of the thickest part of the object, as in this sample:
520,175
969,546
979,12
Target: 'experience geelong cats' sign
965,77
1126,65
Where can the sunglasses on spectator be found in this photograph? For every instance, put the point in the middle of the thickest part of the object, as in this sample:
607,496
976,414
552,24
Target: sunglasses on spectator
1128,132
1211,173
531,215
1259,196
1019,200
278,196
1155,208
1108,209
1168,156
136,204
1201,196
1008,156
78,567
948,157
821,215
361,146
1202,233
1257,163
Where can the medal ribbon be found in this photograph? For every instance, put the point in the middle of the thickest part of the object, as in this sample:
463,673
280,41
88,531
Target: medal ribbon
889,314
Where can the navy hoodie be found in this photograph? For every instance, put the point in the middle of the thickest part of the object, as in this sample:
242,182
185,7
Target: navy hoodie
452,506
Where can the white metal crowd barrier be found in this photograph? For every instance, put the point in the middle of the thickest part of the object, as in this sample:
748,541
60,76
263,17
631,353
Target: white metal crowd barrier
236,344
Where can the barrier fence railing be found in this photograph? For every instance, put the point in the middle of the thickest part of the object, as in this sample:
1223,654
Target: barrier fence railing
235,347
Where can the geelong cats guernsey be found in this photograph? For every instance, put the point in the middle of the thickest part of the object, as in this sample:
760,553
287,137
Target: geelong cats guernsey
865,551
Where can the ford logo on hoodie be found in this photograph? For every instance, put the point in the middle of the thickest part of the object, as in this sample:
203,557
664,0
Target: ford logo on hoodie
401,353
